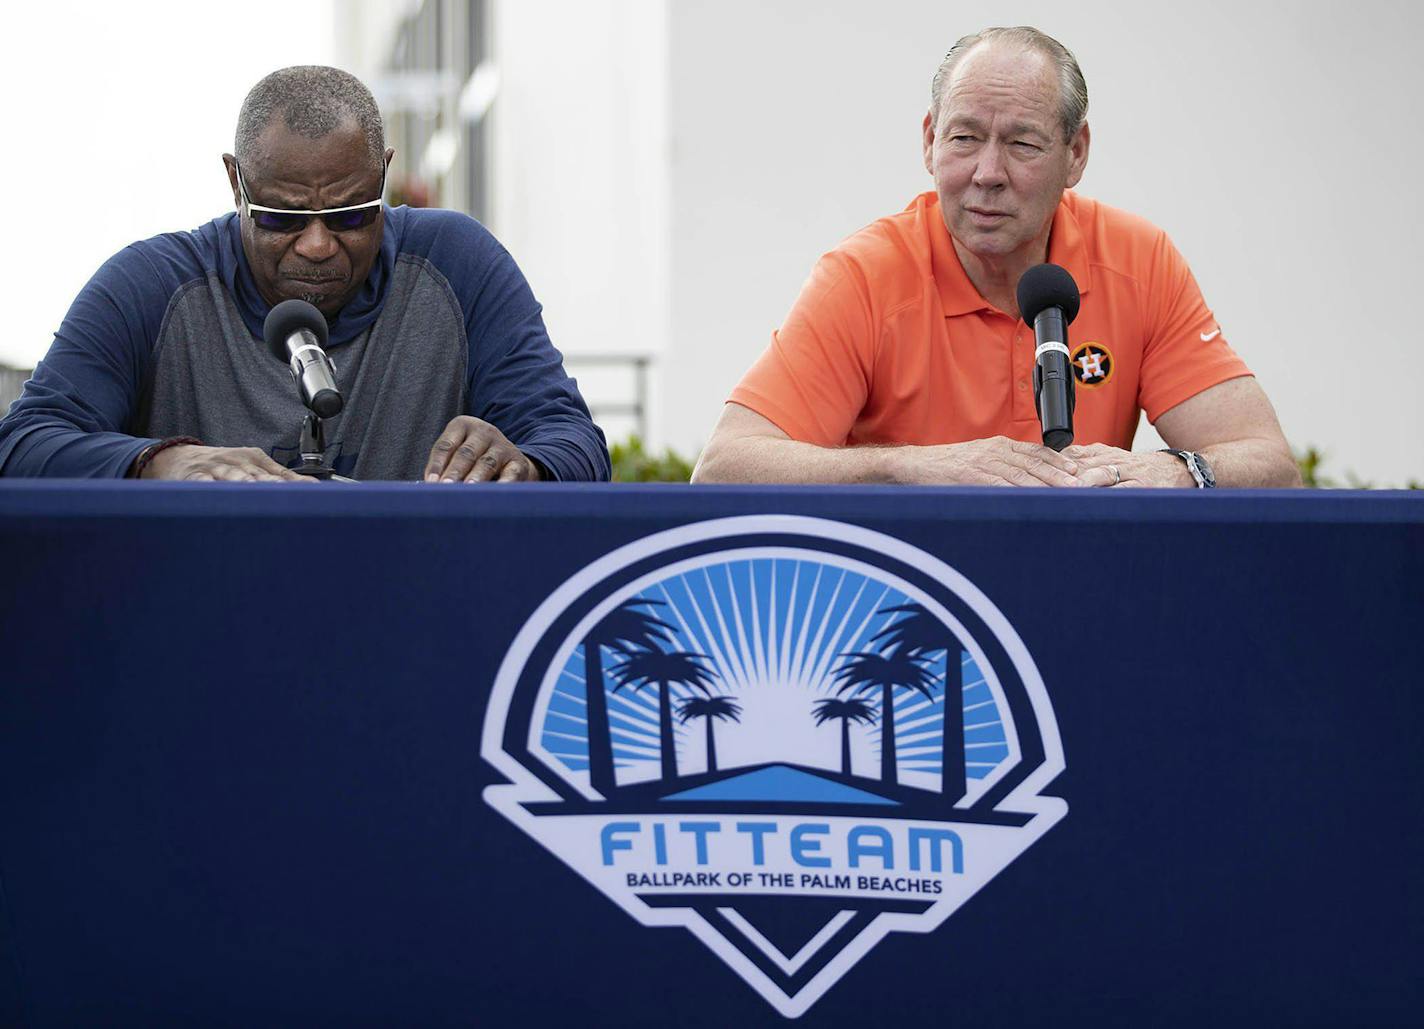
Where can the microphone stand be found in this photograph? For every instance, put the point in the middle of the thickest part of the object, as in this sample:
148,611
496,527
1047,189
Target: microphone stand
313,451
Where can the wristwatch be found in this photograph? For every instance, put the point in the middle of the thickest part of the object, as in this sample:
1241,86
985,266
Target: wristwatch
1197,465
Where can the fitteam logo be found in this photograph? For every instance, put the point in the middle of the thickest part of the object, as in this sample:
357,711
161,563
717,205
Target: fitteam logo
787,735
1092,364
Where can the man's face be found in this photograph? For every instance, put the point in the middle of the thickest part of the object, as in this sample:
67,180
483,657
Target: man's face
315,264
997,154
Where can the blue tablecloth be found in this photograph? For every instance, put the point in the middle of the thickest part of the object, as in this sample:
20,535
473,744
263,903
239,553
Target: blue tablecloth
293,755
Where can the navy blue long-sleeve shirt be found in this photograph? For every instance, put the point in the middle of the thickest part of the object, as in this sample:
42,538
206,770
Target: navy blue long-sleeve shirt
166,340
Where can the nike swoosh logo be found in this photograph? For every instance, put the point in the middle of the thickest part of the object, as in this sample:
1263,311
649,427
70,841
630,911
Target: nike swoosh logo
1207,337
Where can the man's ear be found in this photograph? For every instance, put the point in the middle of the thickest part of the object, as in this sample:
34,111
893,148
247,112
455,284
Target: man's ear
230,163
927,131
390,152
1078,155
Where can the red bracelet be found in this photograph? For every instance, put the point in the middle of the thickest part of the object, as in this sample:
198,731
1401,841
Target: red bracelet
154,449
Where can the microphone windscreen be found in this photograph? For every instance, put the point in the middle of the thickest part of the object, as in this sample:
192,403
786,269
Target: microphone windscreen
1044,286
288,317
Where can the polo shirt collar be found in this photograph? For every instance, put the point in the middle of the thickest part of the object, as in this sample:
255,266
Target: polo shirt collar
1066,246
957,294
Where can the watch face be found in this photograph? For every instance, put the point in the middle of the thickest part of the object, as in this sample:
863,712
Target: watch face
1201,471
1197,465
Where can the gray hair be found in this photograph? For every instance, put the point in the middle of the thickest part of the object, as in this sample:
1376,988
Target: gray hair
1072,90
314,101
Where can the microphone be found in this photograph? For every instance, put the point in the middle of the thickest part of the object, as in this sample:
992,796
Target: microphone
295,332
1048,300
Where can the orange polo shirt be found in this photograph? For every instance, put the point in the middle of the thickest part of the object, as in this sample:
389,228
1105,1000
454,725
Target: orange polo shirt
889,341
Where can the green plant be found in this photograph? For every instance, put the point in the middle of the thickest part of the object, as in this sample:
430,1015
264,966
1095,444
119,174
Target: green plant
1311,458
633,463
1309,461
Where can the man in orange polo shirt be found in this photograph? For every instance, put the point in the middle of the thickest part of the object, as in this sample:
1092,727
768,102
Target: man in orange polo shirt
905,360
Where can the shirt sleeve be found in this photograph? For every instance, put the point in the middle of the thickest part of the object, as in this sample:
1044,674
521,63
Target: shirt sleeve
69,422
813,379
1185,352
517,378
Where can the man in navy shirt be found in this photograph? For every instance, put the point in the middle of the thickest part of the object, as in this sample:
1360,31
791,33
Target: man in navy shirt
441,355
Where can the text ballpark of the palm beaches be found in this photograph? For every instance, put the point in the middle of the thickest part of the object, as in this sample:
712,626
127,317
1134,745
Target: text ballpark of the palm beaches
775,858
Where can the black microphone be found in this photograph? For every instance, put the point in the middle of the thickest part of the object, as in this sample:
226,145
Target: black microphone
1048,300
295,332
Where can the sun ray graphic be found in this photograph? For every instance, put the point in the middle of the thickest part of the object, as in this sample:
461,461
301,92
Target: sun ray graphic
773,632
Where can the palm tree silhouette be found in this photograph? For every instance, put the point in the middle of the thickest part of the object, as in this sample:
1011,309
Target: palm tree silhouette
867,672
641,668
855,709
709,709
920,634
625,629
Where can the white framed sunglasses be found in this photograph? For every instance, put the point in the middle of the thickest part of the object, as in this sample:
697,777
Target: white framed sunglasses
337,219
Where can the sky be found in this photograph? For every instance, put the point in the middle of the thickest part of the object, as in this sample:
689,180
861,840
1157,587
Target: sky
118,115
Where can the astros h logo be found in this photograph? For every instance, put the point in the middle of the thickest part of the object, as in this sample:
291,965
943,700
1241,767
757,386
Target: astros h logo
1092,364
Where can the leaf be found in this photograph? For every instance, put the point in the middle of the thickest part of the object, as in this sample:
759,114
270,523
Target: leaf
633,463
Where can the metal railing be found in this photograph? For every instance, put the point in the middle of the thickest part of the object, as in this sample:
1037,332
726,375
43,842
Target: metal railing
600,404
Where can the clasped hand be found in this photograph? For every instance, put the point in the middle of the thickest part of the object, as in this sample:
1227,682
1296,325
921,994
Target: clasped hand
1102,465
1000,461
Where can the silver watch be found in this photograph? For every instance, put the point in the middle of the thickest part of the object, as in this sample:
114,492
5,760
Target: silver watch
1197,465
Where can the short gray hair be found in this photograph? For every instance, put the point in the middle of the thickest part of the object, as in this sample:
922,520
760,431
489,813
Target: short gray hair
1072,90
313,100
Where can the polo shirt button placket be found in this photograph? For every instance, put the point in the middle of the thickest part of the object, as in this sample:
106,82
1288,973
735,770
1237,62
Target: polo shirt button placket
1018,341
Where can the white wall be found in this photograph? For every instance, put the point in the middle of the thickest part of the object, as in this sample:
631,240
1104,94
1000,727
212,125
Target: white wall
794,123
1278,143
365,31
579,181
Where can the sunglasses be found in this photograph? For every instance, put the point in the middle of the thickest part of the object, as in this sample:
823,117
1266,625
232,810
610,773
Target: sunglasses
337,219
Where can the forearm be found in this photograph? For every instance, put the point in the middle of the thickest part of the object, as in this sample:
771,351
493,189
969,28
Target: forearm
70,421
1248,463
769,460
1234,427
551,424
32,447
748,447
539,409
569,453
66,423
